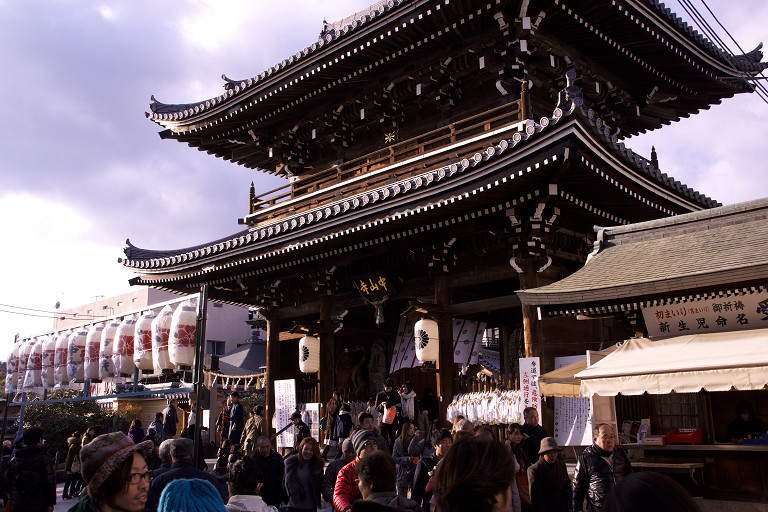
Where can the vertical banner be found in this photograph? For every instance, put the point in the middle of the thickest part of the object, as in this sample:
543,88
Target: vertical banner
529,383
285,405
313,411
573,418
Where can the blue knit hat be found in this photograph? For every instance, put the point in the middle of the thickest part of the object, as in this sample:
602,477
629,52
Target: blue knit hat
190,495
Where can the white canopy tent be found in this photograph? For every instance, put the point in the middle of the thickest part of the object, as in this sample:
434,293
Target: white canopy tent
716,361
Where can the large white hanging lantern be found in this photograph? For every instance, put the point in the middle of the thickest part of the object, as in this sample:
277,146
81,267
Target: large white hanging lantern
76,355
161,330
92,347
24,350
122,348
12,369
425,334
33,380
60,377
181,343
49,353
309,354
142,342
106,367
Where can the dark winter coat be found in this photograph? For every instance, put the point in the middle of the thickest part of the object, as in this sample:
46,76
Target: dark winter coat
170,417
31,481
404,460
302,490
272,469
594,477
236,423
136,434
300,432
550,486
424,469
329,479
72,452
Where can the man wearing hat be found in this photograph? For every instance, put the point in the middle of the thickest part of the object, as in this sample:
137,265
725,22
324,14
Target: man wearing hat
30,478
182,450
332,470
300,430
116,474
548,480
347,489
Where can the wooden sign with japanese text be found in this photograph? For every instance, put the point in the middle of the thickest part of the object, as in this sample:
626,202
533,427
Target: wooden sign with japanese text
725,313
529,383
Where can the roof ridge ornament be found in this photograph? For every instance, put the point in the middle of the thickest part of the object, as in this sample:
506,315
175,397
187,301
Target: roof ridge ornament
749,62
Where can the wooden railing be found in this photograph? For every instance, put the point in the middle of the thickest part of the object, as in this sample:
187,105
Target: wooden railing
358,175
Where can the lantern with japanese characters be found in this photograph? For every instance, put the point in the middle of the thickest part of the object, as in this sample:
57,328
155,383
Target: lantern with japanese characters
92,347
49,354
60,377
426,339
142,342
12,369
76,355
106,367
33,380
309,354
181,343
24,351
161,331
122,349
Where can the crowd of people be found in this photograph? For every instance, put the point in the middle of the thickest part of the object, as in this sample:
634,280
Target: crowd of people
398,465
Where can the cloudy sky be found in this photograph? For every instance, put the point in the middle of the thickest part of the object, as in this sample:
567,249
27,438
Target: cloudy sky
82,169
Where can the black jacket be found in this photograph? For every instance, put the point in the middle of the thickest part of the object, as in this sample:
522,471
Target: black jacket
180,469
419,494
30,480
272,470
594,477
550,486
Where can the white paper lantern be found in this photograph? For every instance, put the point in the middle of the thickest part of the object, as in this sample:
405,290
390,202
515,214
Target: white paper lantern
92,347
161,331
76,354
309,354
60,377
49,354
181,343
12,369
427,341
33,380
24,350
142,341
106,367
122,349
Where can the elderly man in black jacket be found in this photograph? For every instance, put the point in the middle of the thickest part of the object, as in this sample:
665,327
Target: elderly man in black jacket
272,470
601,466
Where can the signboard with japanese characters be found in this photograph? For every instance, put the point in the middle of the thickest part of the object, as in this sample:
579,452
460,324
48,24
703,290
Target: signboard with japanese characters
374,287
715,314
573,420
529,383
285,405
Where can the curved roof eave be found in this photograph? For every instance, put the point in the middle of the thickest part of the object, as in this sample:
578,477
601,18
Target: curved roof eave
158,261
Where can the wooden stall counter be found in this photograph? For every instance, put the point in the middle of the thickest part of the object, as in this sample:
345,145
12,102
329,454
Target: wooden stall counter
716,471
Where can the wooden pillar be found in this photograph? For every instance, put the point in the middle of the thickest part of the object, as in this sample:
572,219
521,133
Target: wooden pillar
327,373
445,365
505,352
531,328
273,362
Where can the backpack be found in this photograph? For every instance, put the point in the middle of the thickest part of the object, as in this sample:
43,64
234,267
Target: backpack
157,435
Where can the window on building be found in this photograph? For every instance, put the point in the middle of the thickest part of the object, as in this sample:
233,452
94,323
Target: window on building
214,348
218,305
119,303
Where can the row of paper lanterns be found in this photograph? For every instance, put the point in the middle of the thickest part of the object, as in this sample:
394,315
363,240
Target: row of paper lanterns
425,333
153,342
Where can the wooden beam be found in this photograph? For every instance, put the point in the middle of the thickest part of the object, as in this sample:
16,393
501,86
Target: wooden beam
484,305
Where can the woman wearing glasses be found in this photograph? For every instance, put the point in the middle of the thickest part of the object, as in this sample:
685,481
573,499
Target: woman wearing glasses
116,473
